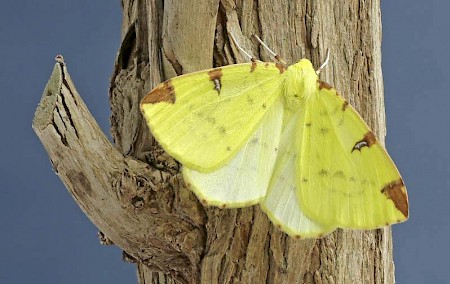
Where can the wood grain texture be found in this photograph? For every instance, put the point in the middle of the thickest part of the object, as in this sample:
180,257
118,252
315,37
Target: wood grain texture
171,236
119,194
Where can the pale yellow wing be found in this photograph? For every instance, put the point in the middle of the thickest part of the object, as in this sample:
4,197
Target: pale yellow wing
245,179
280,203
345,177
202,119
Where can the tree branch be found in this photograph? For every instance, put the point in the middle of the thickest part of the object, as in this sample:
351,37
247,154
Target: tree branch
146,212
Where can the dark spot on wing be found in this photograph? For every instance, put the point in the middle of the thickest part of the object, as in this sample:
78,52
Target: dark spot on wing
210,119
215,75
222,130
323,130
339,174
254,141
162,93
323,172
368,140
228,148
344,105
308,124
250,100
264,106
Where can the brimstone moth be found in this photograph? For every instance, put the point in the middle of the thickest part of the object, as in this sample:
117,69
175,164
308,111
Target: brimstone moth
265,133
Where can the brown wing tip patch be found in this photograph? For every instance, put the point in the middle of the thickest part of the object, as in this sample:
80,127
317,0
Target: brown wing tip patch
368,140
162,93
215,75
324,85
396,192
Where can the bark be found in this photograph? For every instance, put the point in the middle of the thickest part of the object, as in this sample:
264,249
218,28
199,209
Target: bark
133,191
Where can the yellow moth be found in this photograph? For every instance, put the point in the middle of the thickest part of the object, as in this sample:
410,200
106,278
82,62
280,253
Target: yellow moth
265,133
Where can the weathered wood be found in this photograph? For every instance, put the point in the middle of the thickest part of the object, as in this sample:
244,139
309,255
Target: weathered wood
120,195
182,241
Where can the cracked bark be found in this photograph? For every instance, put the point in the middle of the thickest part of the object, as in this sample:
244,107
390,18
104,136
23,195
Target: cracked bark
133,191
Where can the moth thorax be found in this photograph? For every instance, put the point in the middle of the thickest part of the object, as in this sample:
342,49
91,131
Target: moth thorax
300,83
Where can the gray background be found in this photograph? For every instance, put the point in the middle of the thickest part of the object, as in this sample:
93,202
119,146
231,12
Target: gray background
45,238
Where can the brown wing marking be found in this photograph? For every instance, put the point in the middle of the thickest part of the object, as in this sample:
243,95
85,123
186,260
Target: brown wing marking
396,192
215,75
324,85
162,93
368,140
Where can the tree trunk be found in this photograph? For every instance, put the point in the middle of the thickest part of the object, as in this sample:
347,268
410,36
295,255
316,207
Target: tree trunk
133,191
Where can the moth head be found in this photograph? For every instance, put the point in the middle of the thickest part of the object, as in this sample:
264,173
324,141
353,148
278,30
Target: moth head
300,83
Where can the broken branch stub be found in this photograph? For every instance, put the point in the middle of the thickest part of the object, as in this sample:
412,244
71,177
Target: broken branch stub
138,208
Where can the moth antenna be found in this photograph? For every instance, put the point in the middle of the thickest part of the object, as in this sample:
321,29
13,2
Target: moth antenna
241,49
276,56
325,63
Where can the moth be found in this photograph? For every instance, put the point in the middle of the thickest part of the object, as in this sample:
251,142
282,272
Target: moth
276,135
